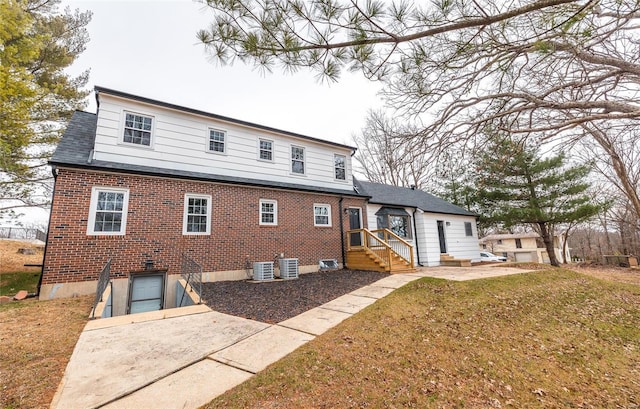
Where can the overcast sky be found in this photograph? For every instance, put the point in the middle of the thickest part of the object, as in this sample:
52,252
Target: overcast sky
149,48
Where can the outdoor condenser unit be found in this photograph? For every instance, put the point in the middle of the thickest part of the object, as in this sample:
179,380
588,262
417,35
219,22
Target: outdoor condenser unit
288,268
263,270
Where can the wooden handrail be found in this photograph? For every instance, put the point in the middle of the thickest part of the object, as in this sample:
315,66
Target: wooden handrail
383,254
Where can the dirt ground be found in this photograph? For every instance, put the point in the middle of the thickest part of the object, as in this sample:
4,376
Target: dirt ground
11,261
619,274
36,342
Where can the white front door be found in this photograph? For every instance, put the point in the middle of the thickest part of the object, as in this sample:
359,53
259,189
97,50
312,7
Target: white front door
146,293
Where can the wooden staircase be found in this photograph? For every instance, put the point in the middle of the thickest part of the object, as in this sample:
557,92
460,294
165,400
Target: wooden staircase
450,261
379,250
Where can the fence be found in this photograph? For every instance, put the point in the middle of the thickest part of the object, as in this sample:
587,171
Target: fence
103,282
22,233
192,274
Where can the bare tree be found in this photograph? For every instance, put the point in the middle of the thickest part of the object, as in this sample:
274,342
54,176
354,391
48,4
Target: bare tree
389,153
555,69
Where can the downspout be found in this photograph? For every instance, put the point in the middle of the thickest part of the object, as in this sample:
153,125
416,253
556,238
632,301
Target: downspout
341,230
415,232
54,171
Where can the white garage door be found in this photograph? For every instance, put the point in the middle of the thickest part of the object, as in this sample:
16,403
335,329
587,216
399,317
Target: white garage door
524,257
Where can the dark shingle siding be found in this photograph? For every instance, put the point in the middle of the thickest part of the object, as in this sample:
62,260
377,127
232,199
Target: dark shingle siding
405,197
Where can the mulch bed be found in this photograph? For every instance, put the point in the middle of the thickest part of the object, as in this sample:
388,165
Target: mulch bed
276,301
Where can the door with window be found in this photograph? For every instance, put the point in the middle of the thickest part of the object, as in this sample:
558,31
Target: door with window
355,223
146,292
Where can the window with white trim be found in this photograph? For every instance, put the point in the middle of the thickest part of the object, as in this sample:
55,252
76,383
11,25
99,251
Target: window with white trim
339,167
217,141
265,150
268,212
297,160
321,215
108,211
137,129
197,214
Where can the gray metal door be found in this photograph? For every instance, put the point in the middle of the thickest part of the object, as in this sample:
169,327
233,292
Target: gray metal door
441,237
355,239
146,293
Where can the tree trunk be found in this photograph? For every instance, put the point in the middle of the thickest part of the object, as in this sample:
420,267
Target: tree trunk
547,238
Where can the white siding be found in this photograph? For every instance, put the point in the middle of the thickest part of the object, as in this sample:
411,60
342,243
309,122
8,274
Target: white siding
180,142
458,244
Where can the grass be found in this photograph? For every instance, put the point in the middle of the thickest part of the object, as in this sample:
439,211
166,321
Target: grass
14,276
552,338
11,283
36,341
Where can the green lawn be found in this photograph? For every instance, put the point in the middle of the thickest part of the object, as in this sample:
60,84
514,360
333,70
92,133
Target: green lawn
552,338
11,283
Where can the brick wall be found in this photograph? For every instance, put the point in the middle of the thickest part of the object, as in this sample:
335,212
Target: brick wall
154,227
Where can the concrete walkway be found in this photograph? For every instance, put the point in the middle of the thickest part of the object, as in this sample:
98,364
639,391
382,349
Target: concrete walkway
184,357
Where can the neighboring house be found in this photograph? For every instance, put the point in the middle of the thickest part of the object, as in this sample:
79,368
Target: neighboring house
431,225
148,184
526,247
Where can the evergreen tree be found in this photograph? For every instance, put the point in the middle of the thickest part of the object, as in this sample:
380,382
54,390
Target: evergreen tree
37,43
518,186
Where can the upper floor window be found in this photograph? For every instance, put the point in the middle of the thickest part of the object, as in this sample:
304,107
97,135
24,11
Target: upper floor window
217,141
518,243
197,214
108,211
468,230
339,166
137,129
297,160
322,215
265,150
268,212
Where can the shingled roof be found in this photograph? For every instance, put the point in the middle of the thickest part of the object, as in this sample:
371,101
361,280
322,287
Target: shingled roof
406,197
76,146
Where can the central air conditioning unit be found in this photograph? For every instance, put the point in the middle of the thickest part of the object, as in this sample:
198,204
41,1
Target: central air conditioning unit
263,271
288,268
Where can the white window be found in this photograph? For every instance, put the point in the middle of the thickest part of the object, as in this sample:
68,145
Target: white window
321,215
297,160
268,212
197,214
217,141
339,166
265,150
137,129
108,212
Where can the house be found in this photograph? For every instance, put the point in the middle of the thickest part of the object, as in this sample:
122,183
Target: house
151,186
524,247
440,233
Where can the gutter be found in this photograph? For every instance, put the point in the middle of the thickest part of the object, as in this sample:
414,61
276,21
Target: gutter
54,171
415,231
341,230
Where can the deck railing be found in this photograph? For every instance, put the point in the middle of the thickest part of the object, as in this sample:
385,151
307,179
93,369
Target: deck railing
383,243
397,243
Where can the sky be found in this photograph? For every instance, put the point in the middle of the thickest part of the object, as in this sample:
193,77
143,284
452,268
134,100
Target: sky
149,48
